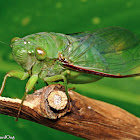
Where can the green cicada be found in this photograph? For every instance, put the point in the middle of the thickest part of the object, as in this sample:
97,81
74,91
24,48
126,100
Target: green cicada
74,58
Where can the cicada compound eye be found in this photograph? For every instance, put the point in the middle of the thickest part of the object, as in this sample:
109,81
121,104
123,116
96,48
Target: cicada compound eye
14,40
40,53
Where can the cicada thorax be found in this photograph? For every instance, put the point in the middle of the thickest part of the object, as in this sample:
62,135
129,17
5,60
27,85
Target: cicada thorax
52,43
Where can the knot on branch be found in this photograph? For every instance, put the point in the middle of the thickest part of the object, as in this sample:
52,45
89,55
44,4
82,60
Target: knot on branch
51,101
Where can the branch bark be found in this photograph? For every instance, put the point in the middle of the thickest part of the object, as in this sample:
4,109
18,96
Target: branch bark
82,117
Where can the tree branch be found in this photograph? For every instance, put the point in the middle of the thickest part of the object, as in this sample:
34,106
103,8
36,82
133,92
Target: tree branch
88,118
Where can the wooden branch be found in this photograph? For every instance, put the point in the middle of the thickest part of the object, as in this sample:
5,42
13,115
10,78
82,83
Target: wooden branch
88,118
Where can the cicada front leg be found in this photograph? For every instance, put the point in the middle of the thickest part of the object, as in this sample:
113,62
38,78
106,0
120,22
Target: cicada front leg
31,83
22,76
29,86
17,74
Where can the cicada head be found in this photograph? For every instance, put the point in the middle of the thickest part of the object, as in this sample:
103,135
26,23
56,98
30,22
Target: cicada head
23,52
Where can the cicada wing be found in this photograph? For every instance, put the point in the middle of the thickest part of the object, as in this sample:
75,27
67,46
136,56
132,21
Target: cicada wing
111,50
80,34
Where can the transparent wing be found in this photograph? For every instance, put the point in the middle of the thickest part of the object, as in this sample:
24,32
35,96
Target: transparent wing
111,50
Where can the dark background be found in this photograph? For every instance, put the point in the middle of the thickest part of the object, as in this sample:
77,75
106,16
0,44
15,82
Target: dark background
20,18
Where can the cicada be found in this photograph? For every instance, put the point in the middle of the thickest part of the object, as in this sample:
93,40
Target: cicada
75,58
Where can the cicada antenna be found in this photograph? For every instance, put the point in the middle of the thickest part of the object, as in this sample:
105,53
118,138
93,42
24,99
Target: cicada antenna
4,43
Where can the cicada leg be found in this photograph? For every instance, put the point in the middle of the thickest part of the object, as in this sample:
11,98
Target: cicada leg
29,86
59,77
17,74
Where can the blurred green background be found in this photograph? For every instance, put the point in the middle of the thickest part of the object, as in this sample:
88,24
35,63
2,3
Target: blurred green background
20,18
